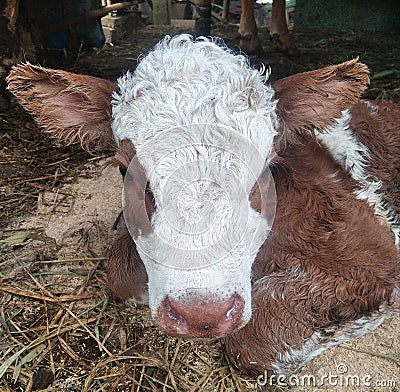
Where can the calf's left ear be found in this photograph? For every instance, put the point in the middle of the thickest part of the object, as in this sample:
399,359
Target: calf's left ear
69,106
315,99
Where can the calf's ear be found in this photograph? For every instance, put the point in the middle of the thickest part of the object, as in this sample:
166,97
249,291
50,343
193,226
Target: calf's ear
315,99
69,106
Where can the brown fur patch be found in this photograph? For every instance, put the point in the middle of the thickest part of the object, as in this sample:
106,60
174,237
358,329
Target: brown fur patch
327,261
378,128
126,273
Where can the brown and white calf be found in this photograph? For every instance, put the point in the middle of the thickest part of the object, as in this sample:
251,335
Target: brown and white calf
268,215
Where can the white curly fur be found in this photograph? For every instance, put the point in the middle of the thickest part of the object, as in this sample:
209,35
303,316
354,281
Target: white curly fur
185,81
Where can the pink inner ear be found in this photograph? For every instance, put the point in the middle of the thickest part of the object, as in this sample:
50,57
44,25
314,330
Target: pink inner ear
315,99
66,109
71,107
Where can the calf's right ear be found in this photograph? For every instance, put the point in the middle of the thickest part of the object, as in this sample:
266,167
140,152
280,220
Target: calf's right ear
315,99
69,106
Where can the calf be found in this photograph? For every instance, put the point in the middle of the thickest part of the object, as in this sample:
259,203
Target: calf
265,214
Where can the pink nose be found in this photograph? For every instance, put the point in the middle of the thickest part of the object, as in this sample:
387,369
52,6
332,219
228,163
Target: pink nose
205,318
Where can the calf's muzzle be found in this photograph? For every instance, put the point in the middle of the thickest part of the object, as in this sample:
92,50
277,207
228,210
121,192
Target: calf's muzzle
204,318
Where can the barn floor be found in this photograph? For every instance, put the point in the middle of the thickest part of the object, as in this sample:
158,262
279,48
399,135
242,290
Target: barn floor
59,330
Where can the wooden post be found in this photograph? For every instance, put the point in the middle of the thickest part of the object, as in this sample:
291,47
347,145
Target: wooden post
225,11
203,23
162,12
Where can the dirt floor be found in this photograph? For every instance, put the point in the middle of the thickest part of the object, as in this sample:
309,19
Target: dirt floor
60,330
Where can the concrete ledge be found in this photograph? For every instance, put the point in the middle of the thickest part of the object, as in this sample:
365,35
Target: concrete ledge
185,23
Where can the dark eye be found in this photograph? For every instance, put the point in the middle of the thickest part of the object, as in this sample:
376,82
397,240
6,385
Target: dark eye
122,170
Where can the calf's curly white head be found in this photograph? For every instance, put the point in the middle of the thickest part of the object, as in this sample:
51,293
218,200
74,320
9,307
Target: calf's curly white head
202,122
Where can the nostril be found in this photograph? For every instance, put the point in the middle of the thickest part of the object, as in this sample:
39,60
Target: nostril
200,318
171,312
